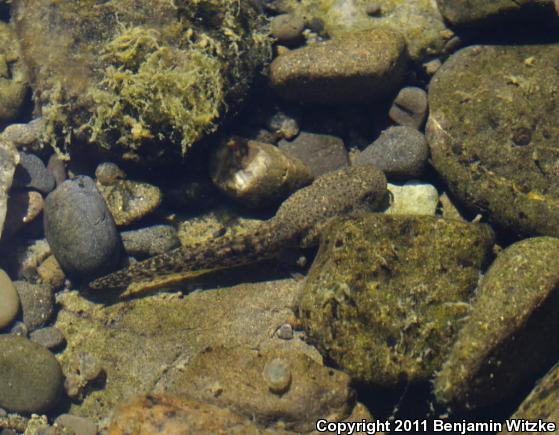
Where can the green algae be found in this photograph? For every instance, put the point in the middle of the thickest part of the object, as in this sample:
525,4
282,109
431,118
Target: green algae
139,78
511,334
386,295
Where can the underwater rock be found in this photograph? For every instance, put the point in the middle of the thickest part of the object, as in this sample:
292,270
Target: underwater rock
23,207
37,303
386,295
108,173
26,136
30,379
356,67
541,403
79,425
409,107
80,229
9,158
165,414
301,392
287,29
31,173
9,308
493,133
484,13
156,77
512,332
50,337
129,201
322,152
257,174
14,85
50,272
413,197
149,241
401,152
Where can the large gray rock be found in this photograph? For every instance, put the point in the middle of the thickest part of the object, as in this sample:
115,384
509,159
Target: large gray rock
80,229
30,376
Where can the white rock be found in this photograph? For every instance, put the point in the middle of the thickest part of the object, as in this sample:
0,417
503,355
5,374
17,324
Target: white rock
413,197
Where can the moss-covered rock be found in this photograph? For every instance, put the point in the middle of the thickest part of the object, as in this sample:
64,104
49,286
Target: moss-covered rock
541,403
493,133
387,294
512,333
13,75
138,77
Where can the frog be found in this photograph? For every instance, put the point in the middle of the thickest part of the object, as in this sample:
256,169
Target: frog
297,222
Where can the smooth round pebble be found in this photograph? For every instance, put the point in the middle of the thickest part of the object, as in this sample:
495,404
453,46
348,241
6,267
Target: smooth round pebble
400,152
285,332
37,303
51,273
19,328
50,337
80,229
9,300
109,173
80,425
277,375
31,379
288,29
32,173
409,107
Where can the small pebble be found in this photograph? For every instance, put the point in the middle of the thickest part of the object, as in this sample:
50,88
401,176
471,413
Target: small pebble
25,135
288,29
51,273
283,125
409,107
75,215
322,152
31,378
80,372
109,173
413,197
278,376
372,9
285,332
50,337
9,301
80,425
400,152
20,328
150,241
432,66
32,173
23,207
57,169
37,303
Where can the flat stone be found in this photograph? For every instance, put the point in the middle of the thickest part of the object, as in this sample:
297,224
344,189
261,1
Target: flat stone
386,295
80,425
511,336
50,337
129,200
30,376
9,301
321,152
37,303
80,229
353,68
493,133
413,197
400,152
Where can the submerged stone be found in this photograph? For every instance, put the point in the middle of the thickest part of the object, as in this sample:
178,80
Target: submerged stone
512,332
143,79
493,133
387,294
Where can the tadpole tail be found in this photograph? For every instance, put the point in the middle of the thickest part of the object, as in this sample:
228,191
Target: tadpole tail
219,253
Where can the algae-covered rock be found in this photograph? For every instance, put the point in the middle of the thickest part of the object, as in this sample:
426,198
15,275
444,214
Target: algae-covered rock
138,341
493,133
138,77
13,75
512,333
309,391
419,21
541,403
483,12
9,158
387,294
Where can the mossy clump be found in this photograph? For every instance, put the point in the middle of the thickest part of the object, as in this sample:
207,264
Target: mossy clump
139,78
387,294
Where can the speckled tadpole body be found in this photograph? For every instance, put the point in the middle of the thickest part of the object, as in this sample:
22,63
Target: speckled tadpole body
298,222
